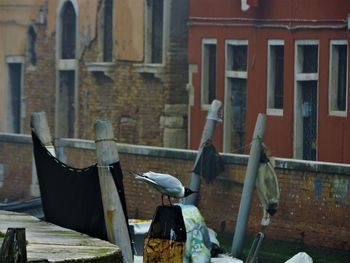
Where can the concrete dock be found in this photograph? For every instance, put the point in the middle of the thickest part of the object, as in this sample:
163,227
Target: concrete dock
51,243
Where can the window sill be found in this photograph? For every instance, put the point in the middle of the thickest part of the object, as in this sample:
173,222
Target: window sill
274,112
67,64
100,67
338,113
154,69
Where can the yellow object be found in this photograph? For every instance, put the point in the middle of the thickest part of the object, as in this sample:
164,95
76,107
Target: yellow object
162,250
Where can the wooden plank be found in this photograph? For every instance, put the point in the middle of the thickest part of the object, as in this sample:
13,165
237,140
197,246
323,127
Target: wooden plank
53,243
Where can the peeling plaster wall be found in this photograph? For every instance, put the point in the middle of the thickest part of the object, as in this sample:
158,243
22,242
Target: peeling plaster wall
15,17
87,15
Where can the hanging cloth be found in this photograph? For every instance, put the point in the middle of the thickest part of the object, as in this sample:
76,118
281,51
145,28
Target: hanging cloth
71,197
209,164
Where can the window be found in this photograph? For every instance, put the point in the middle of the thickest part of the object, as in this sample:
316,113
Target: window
14,94
306,99
236,74
108,31
275,78
66,105
31,54
208,71
67,70
68,31
2,172
338,77
307,60
155,14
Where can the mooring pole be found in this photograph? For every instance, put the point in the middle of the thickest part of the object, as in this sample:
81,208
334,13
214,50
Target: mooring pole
41,128
208,133
38,123
107,154
14,246
248,187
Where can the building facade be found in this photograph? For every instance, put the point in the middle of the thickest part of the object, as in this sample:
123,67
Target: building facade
83,60
287,59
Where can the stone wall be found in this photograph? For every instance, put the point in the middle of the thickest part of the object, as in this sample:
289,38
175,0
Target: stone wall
314,205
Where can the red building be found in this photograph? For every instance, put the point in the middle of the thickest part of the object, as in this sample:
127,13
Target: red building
285,58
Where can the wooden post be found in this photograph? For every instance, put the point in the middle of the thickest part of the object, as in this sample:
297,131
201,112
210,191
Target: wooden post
41,128
13,249
107,154
208,133
248,187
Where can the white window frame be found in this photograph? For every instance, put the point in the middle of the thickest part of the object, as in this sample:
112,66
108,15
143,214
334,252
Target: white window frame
67,64
204,85
101,34
270,92
227,104
300,76
148,32
14,60
332,91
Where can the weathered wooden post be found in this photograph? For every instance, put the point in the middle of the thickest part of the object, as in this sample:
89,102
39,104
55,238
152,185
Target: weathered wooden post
41,128
13,249
248,187
208,133
107,154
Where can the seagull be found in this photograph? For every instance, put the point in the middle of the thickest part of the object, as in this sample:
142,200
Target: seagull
166,184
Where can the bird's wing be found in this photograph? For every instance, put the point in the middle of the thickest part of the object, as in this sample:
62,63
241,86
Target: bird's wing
168,184
151,183
165,180
164,183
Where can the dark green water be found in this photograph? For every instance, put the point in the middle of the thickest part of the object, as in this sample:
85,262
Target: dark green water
277,251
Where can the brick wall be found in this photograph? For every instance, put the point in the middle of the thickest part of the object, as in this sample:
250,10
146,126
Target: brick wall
39,87
16,158
134,101
314,204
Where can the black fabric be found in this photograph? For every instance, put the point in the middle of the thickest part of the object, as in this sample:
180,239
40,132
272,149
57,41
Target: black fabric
71,197
209,164
168,224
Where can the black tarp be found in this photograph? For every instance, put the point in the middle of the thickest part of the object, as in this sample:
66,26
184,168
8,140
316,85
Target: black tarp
209,164
71,197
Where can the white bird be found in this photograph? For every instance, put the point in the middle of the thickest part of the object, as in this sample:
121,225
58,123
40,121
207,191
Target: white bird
166,184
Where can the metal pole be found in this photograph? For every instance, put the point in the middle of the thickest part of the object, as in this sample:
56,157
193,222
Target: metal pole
106,152
208,132
248,187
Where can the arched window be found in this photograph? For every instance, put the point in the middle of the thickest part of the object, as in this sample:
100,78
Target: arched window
68,26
